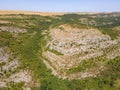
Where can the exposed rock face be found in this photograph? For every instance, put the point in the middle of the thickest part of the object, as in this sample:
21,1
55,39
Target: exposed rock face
9,64
4,54
70,41
77,45
13,29
23,76
10,72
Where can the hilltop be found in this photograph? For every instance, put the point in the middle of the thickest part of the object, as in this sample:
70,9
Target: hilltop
2,12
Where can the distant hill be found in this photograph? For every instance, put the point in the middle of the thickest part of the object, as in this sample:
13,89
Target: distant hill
2,12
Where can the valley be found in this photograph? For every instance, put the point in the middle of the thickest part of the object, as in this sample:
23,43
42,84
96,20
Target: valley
59,51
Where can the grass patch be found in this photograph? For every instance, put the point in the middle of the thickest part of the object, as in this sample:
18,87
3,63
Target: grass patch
55,52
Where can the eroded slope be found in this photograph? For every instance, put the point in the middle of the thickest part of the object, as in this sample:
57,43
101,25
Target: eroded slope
75,46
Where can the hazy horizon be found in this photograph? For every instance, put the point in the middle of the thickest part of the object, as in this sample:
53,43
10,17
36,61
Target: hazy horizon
61,6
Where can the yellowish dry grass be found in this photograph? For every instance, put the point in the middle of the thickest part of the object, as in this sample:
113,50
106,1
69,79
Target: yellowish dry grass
2,12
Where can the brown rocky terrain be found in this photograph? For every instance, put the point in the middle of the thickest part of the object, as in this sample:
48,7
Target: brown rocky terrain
77,45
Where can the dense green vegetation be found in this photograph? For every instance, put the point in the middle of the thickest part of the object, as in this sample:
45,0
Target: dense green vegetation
30,46
114,65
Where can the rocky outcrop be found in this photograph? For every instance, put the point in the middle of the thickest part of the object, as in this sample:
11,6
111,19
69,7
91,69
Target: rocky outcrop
78,45
13,29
